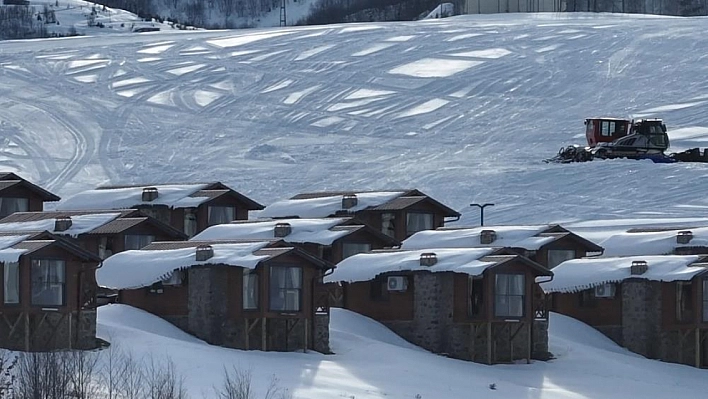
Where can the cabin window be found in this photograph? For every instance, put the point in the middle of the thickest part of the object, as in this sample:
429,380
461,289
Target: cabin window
684,301
10,205
48,282
250,289
705,299
285,288
221,214
475,296
174,279
353,248
190,222
160,213
105,247
509,295
137,241
558,256
12,283
388,224
418,221
378,289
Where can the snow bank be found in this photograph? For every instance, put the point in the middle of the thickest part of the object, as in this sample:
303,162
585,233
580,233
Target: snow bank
366,266
141,268
507,236
303,230
176,196
581,274
326,206
79,224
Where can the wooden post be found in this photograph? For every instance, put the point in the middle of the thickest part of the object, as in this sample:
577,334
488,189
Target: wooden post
698,347
304,348
473,333
263,334
529,350
489,342
70,340
27,332
247,330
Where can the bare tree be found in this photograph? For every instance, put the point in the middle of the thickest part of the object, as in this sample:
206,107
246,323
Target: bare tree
83,373
227,8
162,380
237,384
8,365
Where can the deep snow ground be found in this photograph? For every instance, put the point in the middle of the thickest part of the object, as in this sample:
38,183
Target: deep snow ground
463,108
370,362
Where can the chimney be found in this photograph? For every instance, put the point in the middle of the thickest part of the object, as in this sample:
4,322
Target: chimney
487,236
62,223
149,194
349,201
638,268
428,259
282,230
204,252
684,237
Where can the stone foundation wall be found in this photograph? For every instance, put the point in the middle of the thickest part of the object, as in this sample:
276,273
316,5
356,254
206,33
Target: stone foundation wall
50,331
641,317
321,334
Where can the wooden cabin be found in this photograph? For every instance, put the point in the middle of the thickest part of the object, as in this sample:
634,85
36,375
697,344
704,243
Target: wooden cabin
656,306
246,295
396,213
102,233
332,239
189,208
19,195
48,291
548,245
466,303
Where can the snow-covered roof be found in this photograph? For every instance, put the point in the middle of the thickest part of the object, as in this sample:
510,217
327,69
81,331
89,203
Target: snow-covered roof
581,274
507,236
174,195
7,253
366,266
141,268
321,207
79,224
651,242
303,230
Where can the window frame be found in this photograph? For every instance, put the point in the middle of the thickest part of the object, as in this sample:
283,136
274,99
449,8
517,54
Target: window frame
555,250
62,284
472,294
209,213
26,203
388,224
125,241
5,268
285,290
498,295
682,311
409,232
251,274
359,244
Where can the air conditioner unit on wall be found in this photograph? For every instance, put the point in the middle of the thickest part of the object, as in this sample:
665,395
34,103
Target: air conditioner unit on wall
605,291
397,283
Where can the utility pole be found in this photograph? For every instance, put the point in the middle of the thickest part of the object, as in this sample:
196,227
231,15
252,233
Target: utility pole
481,211
283,19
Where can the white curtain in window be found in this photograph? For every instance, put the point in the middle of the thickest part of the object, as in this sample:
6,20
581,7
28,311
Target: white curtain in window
285,287
250,289
416,222
221,214
190,222
12,282
292,297
353,248
558,256
48,282
9,206
387,224
509,295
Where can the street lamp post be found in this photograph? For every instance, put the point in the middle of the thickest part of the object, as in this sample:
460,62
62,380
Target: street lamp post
481,211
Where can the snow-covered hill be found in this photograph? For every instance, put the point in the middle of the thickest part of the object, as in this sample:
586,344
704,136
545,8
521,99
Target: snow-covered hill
464,108
370,362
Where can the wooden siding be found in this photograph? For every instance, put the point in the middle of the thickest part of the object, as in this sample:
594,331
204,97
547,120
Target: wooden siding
391,306
35,201
597,312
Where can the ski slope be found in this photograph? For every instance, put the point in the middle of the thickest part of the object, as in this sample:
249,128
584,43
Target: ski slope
463,108
370,362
